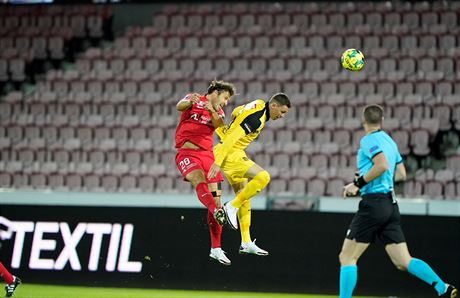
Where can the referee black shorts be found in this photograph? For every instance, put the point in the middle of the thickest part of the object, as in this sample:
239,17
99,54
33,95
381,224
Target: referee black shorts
377,216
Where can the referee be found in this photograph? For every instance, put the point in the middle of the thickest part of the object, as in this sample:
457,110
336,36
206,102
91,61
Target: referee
379,164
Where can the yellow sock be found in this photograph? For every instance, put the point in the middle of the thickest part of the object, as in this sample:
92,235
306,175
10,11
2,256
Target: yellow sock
251,189
238,201
244,217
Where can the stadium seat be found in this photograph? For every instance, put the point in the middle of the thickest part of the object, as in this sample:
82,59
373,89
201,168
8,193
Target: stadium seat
420,142
444,114
74,182
297,187
413,188
316,187
434,190
401,137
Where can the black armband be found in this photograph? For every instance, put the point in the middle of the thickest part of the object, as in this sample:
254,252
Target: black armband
359,182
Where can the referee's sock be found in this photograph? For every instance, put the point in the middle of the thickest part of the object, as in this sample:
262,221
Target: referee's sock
348,278
423,271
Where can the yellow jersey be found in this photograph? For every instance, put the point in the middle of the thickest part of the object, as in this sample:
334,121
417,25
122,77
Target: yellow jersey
247,122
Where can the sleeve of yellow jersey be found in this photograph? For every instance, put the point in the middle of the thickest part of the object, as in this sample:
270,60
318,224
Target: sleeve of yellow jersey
228,143
247,125
221,131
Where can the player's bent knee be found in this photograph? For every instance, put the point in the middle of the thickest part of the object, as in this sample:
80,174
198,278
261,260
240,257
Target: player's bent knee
263,178
196,177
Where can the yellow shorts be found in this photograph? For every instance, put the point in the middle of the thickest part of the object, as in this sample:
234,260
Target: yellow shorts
235,165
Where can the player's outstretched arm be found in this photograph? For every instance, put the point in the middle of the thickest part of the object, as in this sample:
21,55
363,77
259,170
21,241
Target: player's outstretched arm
187,102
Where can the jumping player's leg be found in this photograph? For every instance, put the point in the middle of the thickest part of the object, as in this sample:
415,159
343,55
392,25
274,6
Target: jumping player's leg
216,190
12,282
401,258
5,274
244,213
244,219
259,179
198,181
192,167
247,245
215,229
349,255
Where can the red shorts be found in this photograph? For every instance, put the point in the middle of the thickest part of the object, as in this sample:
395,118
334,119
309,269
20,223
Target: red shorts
188,160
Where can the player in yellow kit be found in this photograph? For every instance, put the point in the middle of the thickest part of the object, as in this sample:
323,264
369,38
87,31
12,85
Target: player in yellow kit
245,176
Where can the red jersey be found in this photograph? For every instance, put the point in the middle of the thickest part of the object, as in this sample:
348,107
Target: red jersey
195,125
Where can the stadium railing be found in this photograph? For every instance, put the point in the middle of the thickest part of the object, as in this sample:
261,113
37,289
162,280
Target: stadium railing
412,206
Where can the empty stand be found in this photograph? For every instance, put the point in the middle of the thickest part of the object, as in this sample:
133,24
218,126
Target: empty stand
107,124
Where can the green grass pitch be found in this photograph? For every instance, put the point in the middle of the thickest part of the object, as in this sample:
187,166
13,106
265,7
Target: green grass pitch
46,291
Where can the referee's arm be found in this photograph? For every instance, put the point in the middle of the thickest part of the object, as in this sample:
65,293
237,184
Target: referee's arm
379,167
400,173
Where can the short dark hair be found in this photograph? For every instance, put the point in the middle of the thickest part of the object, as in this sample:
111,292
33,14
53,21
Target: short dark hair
281,99
221,86
373,114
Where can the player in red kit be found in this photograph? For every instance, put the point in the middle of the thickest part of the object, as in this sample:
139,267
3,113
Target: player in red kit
201,115
11,281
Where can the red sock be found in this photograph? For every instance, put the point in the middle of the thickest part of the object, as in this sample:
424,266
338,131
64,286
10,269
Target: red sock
205,196
215,230
7,277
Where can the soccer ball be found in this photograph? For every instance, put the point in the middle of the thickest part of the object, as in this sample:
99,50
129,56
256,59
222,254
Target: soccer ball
352,59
